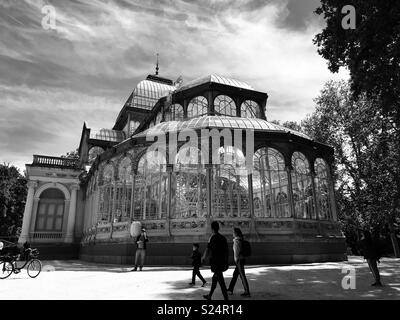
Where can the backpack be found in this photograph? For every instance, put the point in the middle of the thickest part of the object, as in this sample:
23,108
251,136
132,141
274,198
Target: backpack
246,249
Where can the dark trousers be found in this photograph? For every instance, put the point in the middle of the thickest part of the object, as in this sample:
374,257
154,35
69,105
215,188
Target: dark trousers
239,271
372,264
140,257
218,277
196,272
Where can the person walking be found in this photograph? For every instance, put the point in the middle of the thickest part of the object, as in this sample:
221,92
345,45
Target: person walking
217,252
141,242
240,261
371,252
196,263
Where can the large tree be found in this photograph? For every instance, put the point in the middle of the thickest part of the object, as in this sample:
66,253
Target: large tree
12,201
366,154
371,51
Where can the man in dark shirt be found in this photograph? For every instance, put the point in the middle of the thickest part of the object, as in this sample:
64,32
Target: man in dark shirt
371,252
140,256
217,251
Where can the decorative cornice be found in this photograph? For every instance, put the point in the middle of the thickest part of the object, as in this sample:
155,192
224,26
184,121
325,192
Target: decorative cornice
32,184
74,187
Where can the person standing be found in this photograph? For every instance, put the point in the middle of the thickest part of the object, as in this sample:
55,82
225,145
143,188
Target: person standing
240,261
217,252
196,263
141,243
371,252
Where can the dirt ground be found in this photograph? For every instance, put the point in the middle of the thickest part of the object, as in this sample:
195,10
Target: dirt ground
76,279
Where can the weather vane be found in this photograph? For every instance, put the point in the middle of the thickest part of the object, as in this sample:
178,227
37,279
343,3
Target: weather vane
157,66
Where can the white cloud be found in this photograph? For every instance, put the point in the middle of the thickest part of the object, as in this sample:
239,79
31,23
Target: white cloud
107,42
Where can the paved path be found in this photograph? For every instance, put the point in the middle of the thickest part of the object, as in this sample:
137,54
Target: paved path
81,280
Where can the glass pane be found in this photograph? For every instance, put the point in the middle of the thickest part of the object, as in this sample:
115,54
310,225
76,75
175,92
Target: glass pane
58,224
224,105
40,223
42,208
197,106
60,210
189,185
51,211
49,223
322,190
250,109
230,185
270,184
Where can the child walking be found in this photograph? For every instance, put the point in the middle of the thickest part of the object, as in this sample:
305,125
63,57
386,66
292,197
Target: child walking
196,263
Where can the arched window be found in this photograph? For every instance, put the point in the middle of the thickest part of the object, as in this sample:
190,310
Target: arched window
178,112
270,184
302,187
198,106
93,153
189,185
150,187
230,184
224,105
50,214
123,194
133,126
174,113
250,109
322,189
106,195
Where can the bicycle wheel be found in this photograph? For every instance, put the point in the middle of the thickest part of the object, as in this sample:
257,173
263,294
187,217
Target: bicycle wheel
6,269
34,267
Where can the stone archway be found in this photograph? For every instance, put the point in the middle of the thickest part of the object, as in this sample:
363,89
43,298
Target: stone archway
50,235
54,185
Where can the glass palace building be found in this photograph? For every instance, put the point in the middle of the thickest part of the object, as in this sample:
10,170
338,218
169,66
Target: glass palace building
272,182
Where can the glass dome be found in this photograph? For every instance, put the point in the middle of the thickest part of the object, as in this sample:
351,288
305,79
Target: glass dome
107,135
147,93
217,122
216,79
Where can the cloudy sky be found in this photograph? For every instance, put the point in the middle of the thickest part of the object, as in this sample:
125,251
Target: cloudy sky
51,81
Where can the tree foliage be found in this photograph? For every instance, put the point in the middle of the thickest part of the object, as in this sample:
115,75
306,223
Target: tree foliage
367,164
71,154
289,124
12,201
371,51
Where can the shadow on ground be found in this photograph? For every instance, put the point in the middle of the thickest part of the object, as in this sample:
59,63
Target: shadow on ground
77,265
319,281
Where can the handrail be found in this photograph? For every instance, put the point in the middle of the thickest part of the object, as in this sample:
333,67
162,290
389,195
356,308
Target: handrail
46,235
58,162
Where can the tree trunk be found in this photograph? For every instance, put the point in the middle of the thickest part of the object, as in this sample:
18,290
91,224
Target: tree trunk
395,243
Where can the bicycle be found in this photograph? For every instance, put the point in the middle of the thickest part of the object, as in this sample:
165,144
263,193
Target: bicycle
8,264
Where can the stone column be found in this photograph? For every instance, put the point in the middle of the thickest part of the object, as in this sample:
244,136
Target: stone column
315,197
332,198
290,193
34,213
24,236
209,197
71,214
253,227
169,200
